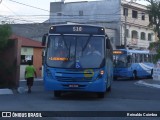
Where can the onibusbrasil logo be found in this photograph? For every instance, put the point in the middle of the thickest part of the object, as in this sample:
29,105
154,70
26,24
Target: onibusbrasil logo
88,73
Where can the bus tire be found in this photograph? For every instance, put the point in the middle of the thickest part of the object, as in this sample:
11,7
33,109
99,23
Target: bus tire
57,93
151,73
101,94
115,78
108,89
134,75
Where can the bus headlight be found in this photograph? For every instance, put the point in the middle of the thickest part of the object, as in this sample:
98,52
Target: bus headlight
101,73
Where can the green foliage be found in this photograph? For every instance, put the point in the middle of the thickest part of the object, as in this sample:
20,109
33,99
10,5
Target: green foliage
154,15
5,33
155,46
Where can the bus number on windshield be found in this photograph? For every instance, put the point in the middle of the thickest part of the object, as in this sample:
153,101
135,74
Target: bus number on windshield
77,29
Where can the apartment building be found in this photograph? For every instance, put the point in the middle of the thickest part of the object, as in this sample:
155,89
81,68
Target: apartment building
135,20
128,20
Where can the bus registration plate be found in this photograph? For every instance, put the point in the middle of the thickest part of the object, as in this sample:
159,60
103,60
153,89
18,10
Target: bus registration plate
73,85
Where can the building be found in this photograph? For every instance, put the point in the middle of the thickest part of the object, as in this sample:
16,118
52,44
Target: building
129,19
135,20
29,50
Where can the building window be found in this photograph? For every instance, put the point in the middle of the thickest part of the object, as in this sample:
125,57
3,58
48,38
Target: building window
149,37
81,13
134,14
134,34
125,11
143,36
25,58
143,16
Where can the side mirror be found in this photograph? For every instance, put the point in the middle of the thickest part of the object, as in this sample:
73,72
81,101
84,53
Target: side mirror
44,40
108,43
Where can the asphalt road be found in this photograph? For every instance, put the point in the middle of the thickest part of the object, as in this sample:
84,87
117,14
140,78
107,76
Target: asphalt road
125,96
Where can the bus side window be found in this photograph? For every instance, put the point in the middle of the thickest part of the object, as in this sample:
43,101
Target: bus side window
153,57
133,58
108,44
129,60
149,58
141,58
136,58
145,57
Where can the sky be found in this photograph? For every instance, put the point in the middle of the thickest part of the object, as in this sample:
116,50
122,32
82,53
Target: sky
14,11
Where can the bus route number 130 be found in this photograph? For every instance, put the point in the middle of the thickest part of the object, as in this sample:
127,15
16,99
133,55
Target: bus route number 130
77,29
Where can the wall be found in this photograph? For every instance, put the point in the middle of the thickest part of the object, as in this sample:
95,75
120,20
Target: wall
37,60
10,64
105,13
102,11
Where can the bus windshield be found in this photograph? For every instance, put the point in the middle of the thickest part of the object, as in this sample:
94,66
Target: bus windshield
120,61
70,51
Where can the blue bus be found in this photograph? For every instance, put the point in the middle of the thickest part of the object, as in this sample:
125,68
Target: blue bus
77,58
132,63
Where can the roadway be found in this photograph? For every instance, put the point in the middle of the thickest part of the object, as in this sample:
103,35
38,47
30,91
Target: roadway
126,95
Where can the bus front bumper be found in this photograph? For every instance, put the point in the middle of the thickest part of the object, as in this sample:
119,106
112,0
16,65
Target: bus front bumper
93,86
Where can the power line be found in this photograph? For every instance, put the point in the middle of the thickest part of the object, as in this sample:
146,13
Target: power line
67,15
16,19
29,5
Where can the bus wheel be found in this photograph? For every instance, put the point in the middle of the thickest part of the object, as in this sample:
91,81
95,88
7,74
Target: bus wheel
108,89
100,94
57,93
151,73
134,75
115,78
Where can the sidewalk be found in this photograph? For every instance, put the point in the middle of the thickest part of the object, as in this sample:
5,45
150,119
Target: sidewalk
149,83
5,91
22,86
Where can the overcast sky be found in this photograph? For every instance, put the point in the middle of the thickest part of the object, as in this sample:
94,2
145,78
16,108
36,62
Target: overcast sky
20,11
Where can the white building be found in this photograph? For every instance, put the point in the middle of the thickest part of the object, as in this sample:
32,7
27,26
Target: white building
110,14
136,22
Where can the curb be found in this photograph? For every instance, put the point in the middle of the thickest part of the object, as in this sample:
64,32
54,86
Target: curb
5,91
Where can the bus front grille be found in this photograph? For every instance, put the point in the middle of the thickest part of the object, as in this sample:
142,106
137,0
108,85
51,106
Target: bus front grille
74,79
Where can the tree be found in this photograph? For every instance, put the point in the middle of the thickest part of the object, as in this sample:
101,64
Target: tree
154,21
5,33
154,15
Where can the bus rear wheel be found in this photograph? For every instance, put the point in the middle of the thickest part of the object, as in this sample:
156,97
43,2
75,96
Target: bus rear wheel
57,93
115,77
151,73
101,94
134,75
108,89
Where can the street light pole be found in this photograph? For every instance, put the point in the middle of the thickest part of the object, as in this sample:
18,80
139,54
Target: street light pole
125,27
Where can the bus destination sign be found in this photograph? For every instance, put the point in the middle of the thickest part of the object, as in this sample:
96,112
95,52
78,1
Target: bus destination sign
76,29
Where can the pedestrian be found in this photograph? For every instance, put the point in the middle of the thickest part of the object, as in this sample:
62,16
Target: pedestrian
30,73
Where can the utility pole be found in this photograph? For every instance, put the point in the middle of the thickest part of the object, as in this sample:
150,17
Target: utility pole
125,27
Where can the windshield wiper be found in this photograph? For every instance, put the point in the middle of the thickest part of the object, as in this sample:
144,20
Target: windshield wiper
89,38
64,41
